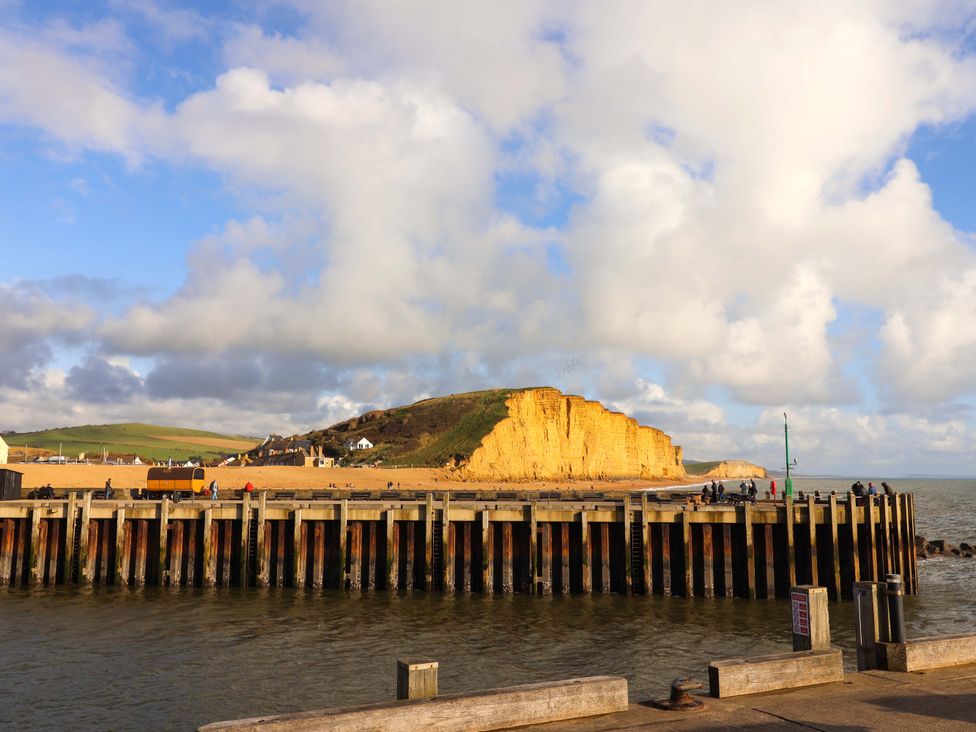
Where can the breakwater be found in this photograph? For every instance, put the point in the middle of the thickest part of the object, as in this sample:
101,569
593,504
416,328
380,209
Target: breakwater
633,544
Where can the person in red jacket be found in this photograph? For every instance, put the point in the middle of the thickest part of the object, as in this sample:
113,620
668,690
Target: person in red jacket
772,488
249,487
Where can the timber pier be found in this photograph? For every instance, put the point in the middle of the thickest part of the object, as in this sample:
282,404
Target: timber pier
633,544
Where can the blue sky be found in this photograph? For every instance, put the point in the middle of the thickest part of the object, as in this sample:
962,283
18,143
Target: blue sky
269,217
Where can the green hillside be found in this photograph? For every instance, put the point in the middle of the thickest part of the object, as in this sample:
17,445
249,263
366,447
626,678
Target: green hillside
148,441
429,433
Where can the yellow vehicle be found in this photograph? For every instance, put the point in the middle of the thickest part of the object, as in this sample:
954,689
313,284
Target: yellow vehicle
175,482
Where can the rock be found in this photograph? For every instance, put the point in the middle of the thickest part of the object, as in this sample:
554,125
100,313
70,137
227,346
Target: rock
548,435
965,547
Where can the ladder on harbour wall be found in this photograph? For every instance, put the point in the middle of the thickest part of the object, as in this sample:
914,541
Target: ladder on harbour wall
637,557
437,553
252,553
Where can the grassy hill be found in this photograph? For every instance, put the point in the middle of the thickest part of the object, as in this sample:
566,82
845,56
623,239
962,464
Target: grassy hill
430,433
145,440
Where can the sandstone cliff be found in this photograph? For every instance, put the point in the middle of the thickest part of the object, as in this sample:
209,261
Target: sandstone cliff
727,469
549,435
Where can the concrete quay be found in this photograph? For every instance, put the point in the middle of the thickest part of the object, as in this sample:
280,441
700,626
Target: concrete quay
939,699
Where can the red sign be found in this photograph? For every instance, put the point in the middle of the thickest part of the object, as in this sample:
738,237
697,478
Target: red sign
801,613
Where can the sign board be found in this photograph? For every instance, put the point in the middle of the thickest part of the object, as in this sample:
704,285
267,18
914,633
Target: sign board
801,613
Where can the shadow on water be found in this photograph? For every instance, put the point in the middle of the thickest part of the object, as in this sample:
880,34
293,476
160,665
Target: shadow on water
105,658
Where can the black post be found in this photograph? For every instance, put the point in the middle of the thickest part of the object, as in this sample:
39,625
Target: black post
896,607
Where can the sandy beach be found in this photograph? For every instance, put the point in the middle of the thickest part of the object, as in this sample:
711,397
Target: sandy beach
287,478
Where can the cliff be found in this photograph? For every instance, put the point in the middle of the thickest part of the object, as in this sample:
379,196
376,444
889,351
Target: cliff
549,435
723,469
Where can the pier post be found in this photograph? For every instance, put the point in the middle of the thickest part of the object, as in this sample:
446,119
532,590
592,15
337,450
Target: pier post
667,587
451,559
163,537
142,552
707,561
770,561
647,555
245,538
69,538
605,579
343,532
176,555
546,558
750,553
209,549
7,552
852,525
689,553
371,569
355,556
416,679
872,562
507,585
812,533
410,563
835,546
533,550
586,553
263,550
299,549
790,543
228,551
884,552
121,574
811,618
318,555
53,550
392,550
429,544
86,572
870,622
564,584
104,551
628,549
280,552
128,529
191,553
727,557
910,504
487,555
897,547
47,545
17,576
466,586
447,546
36,553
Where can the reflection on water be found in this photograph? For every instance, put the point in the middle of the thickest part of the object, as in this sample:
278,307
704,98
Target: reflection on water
102,658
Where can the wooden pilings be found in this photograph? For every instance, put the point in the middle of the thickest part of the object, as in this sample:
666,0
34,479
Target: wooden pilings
751,551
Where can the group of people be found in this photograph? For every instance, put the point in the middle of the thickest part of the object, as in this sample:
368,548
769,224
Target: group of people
715,493
858,489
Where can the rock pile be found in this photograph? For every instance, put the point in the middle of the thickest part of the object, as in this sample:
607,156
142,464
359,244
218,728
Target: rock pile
926,549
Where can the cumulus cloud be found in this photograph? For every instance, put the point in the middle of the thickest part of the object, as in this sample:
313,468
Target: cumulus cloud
732,182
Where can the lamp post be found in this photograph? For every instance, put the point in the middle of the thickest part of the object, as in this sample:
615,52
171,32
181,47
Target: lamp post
788,488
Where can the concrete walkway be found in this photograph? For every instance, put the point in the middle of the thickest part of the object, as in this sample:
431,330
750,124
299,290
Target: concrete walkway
930,701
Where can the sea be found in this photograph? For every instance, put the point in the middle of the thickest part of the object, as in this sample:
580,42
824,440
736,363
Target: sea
158,659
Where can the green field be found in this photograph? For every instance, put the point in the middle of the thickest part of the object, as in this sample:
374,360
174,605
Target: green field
694,467
149,442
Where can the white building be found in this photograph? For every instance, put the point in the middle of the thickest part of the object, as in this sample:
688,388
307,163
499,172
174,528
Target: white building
363,444
4,451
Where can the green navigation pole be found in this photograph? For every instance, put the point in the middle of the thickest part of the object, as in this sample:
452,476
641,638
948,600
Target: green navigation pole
788,489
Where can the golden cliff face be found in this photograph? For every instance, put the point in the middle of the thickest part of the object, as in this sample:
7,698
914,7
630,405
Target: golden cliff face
549,435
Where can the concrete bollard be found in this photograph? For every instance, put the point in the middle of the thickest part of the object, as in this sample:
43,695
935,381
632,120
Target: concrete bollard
811,618
416,679
870,623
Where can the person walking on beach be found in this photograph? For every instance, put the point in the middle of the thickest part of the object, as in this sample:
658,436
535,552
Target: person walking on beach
213,490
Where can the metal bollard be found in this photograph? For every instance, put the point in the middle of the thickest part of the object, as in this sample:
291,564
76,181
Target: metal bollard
896,607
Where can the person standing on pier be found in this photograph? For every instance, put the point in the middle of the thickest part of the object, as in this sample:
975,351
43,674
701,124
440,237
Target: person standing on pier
213,490
887,489
108,489
772,489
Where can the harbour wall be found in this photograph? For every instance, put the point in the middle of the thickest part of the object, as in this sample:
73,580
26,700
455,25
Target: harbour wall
634,544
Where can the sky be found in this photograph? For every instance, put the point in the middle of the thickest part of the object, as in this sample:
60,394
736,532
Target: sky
270,216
